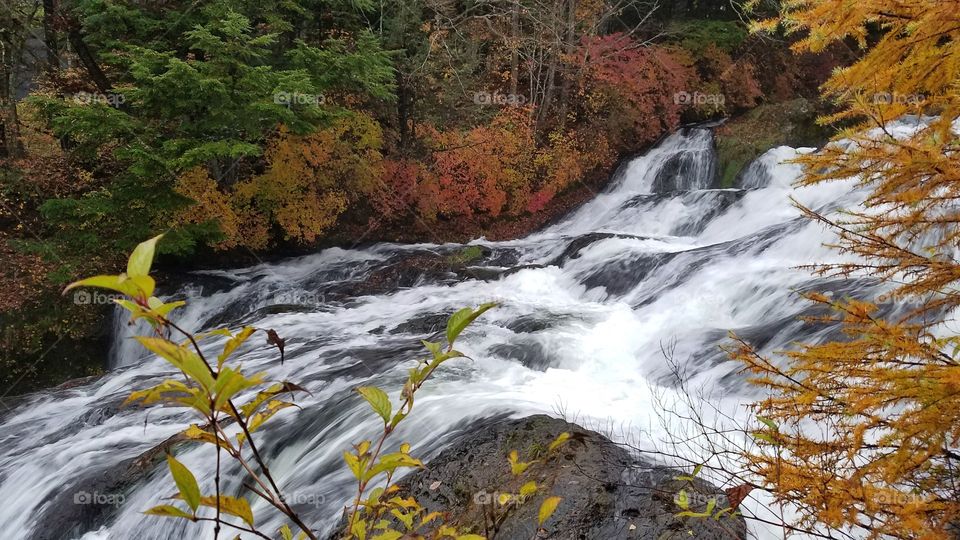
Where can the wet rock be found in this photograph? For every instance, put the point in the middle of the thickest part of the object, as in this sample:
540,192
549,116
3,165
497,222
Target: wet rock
530,353
529,324
685,171
424,324
606,492
573,250
406,271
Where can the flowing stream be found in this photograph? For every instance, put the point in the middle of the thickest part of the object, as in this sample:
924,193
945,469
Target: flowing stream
660,261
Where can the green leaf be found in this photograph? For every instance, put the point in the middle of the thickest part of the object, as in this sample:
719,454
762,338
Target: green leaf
272,408
162,309
528,489
517,467
359,529
167,510
285,532
142,257
195,433
186,482
432,346
683,501
547,508
391,462
461,319
768,422
377,399
353,463
720,514
688,513
229,382
181,357
264,395
759,435
233,343
135,287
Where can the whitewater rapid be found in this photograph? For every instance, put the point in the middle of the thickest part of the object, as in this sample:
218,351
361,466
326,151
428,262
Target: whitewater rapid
660,261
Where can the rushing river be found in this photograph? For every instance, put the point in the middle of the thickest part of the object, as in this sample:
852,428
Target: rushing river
658,262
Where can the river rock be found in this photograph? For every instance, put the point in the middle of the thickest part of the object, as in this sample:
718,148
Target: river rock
607,493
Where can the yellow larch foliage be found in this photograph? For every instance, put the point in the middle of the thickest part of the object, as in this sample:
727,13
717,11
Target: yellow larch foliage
868,425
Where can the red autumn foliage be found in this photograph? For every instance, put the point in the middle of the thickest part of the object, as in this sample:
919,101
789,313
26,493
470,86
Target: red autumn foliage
484,170
639,82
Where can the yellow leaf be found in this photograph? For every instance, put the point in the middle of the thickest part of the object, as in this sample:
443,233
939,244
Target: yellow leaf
142,257
547,508
169,511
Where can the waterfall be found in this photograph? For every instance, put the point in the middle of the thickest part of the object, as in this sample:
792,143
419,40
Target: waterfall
586,306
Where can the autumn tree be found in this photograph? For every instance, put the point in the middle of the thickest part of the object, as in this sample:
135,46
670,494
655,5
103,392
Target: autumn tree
862,430
206,90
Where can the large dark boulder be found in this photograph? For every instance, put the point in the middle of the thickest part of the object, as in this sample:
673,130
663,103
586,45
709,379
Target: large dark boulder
607,493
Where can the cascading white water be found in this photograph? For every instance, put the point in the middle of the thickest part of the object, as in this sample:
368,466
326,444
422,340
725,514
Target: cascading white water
586,306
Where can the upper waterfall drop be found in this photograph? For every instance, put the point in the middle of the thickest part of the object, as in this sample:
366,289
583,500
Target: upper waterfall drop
683,161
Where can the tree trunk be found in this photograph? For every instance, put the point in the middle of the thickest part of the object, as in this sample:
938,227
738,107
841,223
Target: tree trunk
11,146
50,34
568,48
515,48
89,62
403,110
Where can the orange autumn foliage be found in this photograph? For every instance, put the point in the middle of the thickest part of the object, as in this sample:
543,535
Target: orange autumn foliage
484,170
212,204
497,168
867,432
309,181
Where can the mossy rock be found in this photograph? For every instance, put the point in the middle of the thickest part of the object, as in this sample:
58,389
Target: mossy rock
743,139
